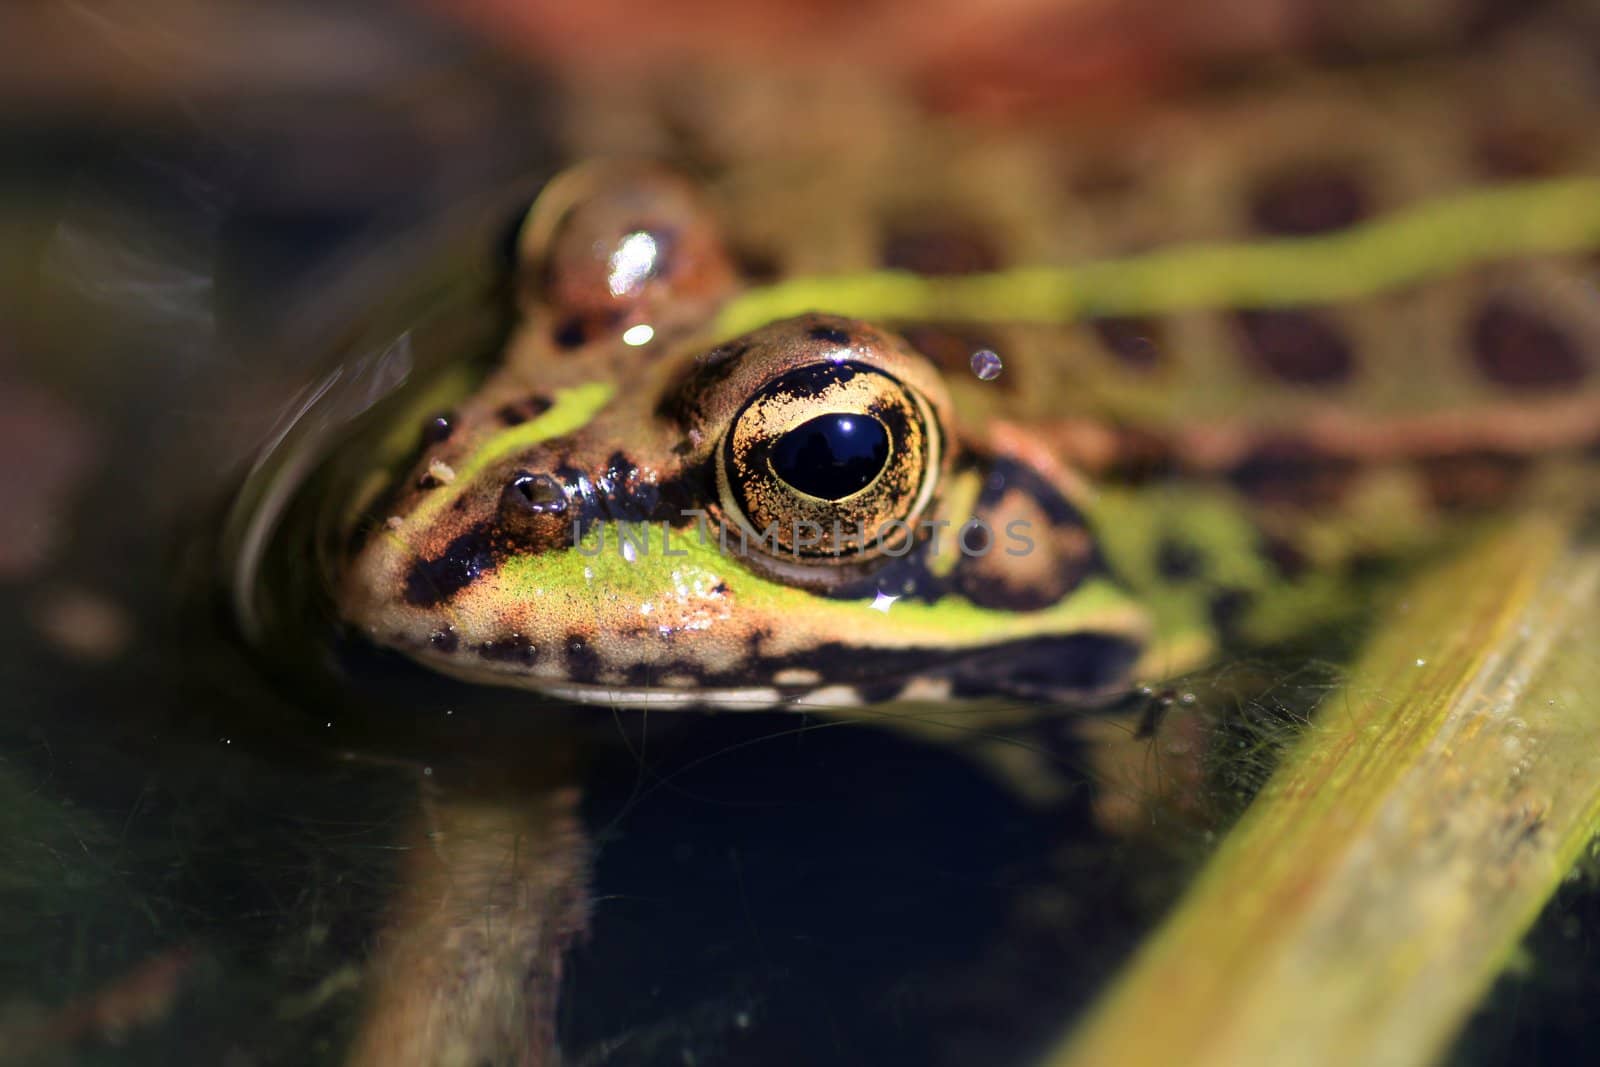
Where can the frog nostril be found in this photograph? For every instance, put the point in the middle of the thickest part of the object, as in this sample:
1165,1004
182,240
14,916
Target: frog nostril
539,493
534,511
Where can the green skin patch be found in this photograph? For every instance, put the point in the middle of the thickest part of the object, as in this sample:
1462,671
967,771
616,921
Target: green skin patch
683,583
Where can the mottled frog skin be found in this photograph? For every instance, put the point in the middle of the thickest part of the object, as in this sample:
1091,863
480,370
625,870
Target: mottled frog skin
839,511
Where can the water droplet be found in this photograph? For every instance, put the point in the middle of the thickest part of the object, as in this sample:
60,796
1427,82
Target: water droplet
638,335
986,364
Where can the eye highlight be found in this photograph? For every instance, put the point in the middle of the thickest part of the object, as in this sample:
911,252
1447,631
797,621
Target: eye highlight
830,462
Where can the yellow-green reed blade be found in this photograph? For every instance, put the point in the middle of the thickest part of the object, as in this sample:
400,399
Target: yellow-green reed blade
1372,892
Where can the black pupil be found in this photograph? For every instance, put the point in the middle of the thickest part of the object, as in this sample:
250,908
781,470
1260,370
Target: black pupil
831,456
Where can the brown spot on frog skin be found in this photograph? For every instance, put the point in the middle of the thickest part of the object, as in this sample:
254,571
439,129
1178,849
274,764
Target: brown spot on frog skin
1296,346
520,411
1309,200
1510,151
949,248
1290,473
1519,349
757,266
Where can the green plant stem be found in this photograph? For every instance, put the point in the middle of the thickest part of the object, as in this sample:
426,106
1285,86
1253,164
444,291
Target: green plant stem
1368,898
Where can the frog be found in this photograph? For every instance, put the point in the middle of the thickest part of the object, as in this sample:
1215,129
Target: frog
666,497
816,398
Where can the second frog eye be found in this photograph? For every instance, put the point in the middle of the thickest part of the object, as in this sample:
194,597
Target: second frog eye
609,246
830,462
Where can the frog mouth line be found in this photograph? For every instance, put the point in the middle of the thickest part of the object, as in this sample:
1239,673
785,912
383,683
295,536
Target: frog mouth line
1082,667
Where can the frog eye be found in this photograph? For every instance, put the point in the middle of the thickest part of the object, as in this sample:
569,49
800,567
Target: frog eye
830,463
621,250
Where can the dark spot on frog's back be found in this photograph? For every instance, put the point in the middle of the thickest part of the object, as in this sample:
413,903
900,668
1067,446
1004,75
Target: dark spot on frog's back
935,248
1296,346
758,266
1510,151
1518,349
1290,473
1309,200
830,335
520,411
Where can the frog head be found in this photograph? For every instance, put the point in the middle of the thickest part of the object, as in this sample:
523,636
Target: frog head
630,510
